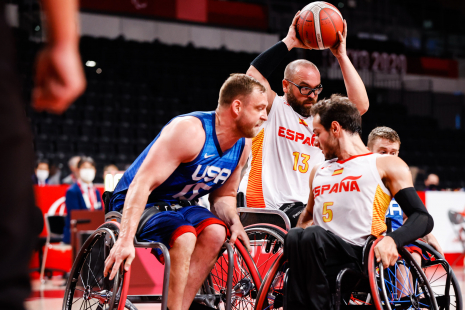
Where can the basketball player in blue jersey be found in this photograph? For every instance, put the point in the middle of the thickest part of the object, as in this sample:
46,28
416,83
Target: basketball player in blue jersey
385,140
194,154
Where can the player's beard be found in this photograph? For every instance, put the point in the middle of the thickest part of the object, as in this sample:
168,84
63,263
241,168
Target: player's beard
248,130
299,106
330,148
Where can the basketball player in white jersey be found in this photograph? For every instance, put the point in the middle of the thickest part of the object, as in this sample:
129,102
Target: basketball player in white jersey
349,196
283,153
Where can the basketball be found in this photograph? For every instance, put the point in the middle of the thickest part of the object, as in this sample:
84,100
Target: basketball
318,25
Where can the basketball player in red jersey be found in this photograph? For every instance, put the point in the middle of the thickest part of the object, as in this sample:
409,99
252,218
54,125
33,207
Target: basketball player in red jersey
283,154
349,196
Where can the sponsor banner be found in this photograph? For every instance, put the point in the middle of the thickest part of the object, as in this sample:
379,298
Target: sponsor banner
51,199
447,230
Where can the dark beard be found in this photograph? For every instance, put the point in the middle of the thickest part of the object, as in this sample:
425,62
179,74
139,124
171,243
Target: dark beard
331,149
297,106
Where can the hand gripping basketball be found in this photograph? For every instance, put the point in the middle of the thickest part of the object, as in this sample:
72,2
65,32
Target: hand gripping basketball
339,49
292,40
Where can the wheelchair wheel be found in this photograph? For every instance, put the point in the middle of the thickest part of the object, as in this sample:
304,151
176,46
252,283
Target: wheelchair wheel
271,293
86,287
402,286
245,280
266,241
437,270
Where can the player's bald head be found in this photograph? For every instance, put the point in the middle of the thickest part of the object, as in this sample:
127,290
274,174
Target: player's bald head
299,65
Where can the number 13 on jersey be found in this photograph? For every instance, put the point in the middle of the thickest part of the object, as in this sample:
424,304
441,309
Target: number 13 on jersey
304,167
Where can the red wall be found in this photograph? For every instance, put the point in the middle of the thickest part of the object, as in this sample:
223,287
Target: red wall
225,13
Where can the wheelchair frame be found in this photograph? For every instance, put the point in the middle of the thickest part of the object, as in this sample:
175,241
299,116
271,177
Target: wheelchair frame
359,282
163,298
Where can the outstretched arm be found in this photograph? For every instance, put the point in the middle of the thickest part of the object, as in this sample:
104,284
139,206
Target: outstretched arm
223,201
163,158
265,63
354,85
59,76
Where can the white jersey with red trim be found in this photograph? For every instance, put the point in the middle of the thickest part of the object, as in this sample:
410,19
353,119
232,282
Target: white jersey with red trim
350,198
281,160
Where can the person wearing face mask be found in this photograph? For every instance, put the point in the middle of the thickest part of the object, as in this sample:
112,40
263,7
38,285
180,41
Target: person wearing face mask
82,195
41,173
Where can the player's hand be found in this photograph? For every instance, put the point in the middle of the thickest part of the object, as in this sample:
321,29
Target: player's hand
386,252
121,252
339,49
291,39
59,78
237,231
431,240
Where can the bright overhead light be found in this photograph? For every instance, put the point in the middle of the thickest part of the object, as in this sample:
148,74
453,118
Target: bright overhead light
90,63
98,70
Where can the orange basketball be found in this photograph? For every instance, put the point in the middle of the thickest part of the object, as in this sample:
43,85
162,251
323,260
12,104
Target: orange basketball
318,25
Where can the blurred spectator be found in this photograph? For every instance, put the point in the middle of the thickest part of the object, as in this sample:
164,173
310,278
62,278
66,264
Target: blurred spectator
82,195
41,172
73,167
112,169
55,174
432,182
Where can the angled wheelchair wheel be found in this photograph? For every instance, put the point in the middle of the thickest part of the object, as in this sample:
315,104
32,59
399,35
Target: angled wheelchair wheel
441,278
402,286
267,242
86,287
272,291
245,280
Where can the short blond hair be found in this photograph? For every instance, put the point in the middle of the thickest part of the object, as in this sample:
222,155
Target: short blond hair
236,85
382,132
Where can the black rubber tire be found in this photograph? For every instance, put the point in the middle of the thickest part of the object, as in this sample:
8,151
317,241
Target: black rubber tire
456,299
86,283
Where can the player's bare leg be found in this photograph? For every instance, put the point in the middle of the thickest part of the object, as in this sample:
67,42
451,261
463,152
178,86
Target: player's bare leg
180,254
405,280
205,255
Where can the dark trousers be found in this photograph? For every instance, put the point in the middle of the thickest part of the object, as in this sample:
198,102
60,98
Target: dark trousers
315,258
16,196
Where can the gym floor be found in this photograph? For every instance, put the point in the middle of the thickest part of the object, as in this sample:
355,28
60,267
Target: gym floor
50,297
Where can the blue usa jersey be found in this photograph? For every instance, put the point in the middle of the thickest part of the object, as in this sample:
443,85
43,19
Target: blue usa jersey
209,171
396,214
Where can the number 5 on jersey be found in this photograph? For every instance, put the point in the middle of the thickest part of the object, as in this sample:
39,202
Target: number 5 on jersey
327,212
302,168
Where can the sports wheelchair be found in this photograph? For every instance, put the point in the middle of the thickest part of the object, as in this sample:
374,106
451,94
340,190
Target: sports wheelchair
87,288
233,282
406,285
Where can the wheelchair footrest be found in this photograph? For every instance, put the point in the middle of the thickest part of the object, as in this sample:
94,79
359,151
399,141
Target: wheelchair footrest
142,299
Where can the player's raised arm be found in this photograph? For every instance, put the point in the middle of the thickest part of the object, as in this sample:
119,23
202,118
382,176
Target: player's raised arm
180,141
397,177
306,217
223,201
354,85
264,65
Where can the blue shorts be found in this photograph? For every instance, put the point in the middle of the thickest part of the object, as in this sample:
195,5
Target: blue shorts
167,226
